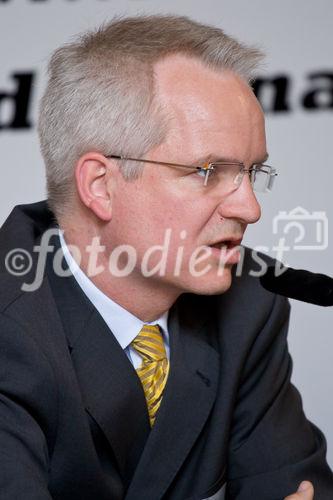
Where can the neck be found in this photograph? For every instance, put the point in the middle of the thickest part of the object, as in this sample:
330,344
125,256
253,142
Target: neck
147,302
145,298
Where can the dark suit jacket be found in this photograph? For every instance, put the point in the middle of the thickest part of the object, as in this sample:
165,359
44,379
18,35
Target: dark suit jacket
73,417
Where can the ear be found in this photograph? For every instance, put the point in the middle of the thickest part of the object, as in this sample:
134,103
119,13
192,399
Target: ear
95,181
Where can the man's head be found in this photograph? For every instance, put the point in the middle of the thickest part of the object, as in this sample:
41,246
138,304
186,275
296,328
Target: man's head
165,89
101,92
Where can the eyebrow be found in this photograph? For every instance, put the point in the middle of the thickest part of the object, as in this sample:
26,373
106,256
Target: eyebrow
227,159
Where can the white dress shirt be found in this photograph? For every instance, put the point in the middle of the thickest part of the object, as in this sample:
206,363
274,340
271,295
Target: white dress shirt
123,324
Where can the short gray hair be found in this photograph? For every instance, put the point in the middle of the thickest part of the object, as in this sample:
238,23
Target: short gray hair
100,92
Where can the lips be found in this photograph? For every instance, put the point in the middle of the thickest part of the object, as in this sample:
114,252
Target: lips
226,251
227,243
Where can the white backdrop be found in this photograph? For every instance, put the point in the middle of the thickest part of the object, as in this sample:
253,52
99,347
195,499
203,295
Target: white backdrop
297,37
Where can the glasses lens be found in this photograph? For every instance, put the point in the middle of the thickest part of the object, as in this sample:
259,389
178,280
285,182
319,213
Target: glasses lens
262,178
228,177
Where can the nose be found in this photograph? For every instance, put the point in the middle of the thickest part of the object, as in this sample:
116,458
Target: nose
241,204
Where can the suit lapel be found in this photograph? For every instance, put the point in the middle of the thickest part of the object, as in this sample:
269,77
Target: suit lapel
189,395
111,390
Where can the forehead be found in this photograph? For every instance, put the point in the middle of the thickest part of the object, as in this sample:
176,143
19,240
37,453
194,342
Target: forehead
206,104
181,79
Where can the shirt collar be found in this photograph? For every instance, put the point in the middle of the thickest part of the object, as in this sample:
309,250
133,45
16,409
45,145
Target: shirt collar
123,324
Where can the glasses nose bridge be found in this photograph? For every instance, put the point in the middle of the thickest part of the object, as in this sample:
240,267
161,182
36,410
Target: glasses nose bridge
248,173
241,202
238,178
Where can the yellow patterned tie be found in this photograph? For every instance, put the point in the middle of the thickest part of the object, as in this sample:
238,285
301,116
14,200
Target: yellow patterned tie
153,372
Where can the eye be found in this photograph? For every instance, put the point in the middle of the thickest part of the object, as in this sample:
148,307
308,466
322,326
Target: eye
207,173
202,172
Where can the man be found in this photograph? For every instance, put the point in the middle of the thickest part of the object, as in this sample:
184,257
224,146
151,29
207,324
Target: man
147,371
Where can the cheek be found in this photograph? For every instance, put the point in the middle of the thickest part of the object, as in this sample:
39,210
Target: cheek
186,222
145,215
140,222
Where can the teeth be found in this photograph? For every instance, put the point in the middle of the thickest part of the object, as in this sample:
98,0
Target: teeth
221,245
225,245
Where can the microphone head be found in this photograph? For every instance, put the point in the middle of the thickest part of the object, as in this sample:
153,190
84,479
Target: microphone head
300,285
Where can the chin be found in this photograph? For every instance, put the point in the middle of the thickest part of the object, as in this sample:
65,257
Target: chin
210,284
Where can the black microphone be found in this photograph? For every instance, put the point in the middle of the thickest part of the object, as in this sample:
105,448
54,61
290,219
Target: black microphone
300,285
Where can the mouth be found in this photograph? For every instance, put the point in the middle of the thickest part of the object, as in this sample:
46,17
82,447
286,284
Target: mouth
227,250
226,243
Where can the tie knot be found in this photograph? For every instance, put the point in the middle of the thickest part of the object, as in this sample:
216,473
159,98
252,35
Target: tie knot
149,343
